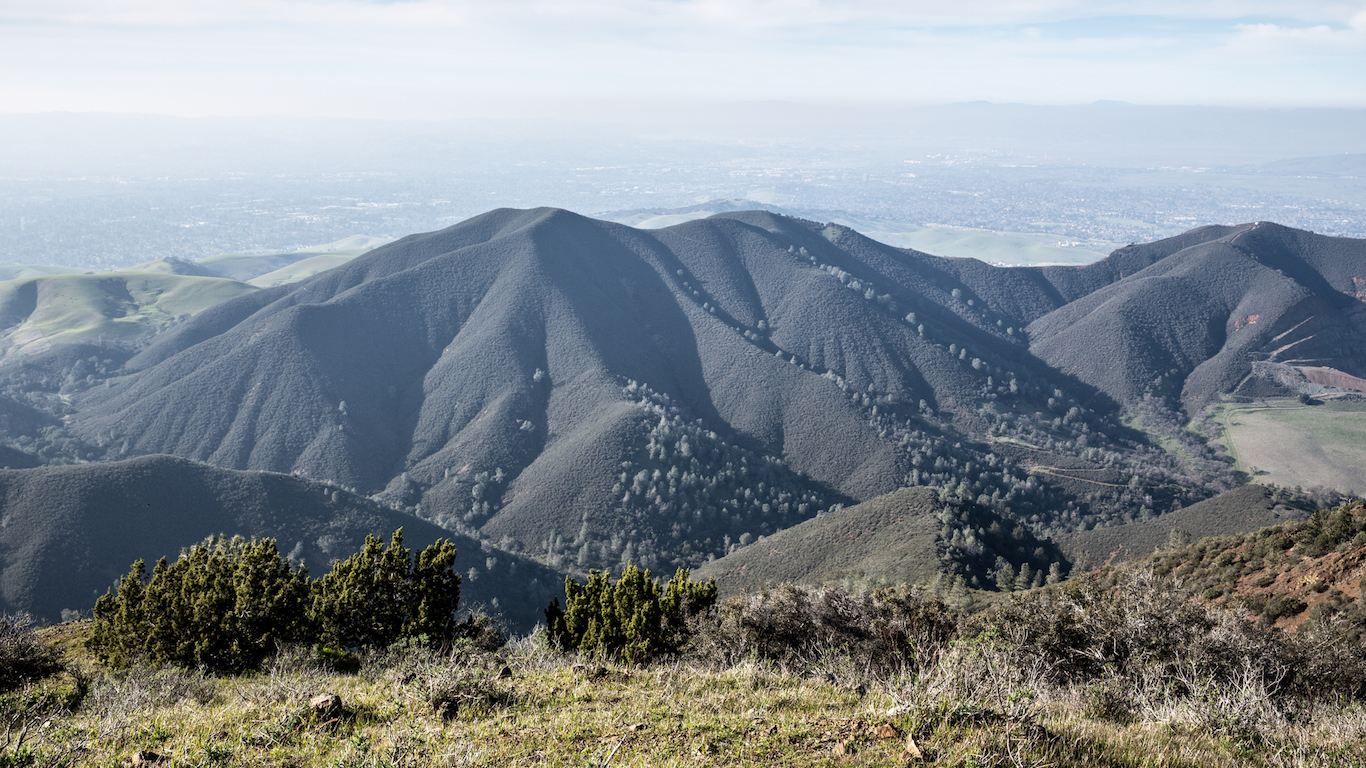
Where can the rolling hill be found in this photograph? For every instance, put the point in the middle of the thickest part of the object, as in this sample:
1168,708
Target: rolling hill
1191,323
247,267
1241,510
590,393
68,533
38,313
594,392
891,538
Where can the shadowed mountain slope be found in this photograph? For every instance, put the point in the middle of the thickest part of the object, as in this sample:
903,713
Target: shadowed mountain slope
593,391
1191,324
68,533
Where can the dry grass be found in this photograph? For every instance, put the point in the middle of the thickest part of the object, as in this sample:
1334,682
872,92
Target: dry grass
974,705
1082,675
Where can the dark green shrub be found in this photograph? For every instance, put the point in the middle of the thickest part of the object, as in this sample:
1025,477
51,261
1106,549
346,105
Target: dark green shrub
635,619
222,606
381,595
23,656
335,661
1282,605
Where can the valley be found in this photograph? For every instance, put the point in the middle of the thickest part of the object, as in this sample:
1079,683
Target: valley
1289,443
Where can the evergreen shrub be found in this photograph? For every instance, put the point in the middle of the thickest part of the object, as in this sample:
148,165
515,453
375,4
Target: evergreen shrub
226,604
635,619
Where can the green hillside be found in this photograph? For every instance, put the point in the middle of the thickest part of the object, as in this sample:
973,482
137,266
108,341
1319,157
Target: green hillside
245,267
301,269
119,306
1235,512
23,271
173,267
888,539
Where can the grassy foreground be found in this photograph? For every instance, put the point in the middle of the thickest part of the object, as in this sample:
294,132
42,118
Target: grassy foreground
528,705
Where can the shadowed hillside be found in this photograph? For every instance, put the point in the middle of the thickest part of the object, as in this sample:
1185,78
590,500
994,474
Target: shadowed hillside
68,533
595,393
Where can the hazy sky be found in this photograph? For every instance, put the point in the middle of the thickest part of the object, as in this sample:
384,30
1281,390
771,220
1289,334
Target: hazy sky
457,58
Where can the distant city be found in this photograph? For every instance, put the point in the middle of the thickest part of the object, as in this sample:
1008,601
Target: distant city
275,195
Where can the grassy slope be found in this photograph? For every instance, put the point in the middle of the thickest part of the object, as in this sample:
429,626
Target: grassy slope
301,269
1286,443
23,271
63,309
887,539
1238,511
245,267
1013,248
554,712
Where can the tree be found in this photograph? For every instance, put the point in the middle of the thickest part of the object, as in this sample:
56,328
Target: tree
635,619
380,595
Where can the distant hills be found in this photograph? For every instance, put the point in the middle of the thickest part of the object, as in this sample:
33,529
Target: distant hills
1189,323
595,392
586,393
46,306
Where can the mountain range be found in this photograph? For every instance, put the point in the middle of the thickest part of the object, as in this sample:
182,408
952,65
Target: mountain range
587,393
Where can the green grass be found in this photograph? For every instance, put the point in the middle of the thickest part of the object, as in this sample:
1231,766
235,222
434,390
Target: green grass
22,271
246,267
1281,441
1240,510
62,309
301,269
887,539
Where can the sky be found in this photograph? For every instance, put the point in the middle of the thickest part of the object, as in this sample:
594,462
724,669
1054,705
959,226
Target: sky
444,59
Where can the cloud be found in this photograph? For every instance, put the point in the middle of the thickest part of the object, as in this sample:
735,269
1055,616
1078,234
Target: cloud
255,56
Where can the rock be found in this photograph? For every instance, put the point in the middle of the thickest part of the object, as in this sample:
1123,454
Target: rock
505,673
146,757
886,732
326,705
912,753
